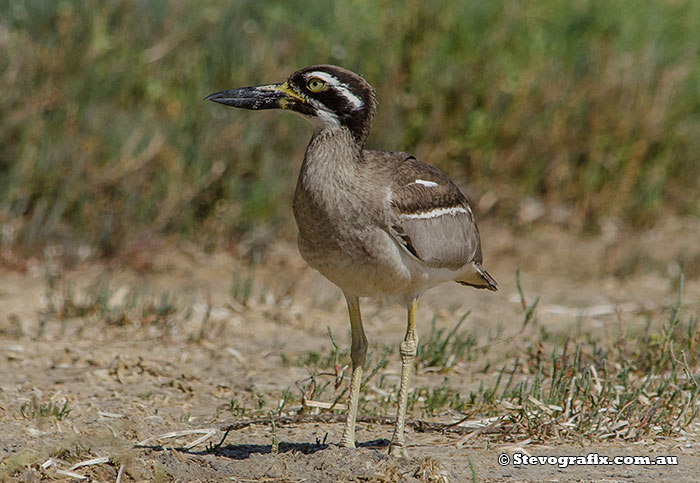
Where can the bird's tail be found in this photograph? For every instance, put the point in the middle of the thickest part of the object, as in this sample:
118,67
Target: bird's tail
481,279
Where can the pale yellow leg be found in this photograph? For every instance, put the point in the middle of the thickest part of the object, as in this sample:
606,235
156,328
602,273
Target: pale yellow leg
358,354
409,346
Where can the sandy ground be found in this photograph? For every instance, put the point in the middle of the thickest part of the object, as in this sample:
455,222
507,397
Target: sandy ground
137,377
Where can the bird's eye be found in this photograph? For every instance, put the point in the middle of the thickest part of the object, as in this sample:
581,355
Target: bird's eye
315,84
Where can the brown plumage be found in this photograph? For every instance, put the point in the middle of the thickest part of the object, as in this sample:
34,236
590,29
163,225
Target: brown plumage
376,224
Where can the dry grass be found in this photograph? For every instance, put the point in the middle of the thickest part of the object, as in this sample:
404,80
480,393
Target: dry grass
633,386
95,367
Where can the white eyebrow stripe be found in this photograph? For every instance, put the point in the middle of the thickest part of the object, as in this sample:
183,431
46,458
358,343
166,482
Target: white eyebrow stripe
429,184
333,81
354,100
325,77
454,210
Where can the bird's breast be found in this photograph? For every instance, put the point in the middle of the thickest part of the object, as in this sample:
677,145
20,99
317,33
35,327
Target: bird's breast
340,207
341,236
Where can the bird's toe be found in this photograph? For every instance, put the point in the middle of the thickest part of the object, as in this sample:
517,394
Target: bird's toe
397,450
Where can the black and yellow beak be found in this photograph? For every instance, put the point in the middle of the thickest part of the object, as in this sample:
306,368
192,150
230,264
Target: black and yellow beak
271,96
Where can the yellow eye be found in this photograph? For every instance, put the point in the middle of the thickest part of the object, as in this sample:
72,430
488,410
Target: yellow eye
315,84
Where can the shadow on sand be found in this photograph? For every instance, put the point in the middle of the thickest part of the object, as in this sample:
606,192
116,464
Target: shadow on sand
243,451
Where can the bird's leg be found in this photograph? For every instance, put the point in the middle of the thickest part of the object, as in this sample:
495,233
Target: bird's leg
409,346
358,354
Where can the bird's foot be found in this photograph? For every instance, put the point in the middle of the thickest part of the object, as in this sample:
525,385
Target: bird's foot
347,441
397,450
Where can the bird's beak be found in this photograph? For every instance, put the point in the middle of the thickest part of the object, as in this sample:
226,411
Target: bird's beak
272,96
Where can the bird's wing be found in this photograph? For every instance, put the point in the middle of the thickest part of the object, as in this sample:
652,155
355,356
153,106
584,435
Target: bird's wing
432,218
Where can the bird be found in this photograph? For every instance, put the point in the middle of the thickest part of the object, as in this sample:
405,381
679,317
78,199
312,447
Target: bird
377,224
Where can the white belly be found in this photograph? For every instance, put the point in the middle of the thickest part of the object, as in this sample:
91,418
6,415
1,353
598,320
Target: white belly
375,267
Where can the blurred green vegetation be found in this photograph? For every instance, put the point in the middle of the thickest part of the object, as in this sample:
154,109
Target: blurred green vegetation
104,136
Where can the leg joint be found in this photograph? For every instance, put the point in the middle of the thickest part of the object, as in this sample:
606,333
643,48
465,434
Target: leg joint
358,350
409,346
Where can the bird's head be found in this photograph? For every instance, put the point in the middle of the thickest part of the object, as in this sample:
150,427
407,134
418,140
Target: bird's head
329,96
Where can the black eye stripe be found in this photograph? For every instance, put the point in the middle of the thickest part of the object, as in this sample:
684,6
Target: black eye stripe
346,96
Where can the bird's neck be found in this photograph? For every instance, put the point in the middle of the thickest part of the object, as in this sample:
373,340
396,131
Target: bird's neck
333,153
332,166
